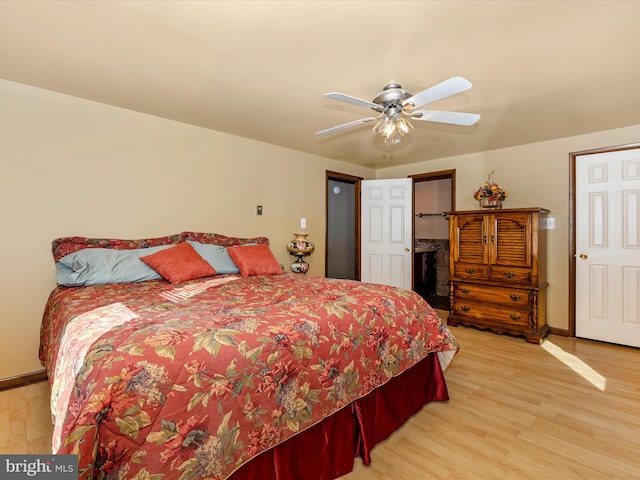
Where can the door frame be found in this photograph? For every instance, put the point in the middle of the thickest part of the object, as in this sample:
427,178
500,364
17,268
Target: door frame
356,181
573,157
426,177
440,175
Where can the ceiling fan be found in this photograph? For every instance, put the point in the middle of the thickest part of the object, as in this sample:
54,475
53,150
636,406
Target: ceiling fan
396,108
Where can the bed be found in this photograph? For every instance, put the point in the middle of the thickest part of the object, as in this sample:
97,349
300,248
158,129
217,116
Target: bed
161,369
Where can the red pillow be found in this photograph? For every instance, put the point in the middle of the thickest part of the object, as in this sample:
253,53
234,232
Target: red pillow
255,260
179,264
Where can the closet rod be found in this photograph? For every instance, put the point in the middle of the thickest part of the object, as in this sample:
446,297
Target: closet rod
420,215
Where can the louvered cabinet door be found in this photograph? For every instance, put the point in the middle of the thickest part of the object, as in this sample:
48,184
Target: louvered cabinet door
470,236
510,239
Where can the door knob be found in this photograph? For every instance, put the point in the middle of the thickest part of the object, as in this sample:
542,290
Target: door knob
584,256
407,250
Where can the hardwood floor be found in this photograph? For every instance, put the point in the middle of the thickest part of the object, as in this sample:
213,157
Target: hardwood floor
25,420
566,409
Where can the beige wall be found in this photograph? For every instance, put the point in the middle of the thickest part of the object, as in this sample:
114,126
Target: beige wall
535,175
75,167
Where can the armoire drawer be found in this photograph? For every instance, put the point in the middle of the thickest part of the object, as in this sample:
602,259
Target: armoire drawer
508,297
521,276
471,271
483,313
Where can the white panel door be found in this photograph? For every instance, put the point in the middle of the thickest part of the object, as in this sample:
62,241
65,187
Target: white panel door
387,240
608,247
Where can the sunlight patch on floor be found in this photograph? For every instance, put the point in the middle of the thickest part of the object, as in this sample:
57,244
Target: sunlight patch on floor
577,365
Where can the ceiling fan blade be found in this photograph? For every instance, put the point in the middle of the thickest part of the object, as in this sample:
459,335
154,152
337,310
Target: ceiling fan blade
341,97
438,92
345,126
455,118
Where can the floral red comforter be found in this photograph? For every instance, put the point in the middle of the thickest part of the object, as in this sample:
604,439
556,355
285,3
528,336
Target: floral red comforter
161,381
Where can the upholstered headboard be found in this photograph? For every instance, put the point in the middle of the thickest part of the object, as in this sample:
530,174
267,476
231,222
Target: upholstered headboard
67,245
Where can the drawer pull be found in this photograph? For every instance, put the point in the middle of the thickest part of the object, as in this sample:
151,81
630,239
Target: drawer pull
470,271
465,290
515,297
509,274
464,308
515,316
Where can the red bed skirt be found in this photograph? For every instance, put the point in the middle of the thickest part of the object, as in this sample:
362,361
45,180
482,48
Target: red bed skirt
327,450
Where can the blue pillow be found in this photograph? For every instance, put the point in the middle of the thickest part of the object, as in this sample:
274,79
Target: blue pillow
217,256
93,266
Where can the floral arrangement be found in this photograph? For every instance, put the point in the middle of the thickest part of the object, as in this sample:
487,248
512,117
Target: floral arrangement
490,190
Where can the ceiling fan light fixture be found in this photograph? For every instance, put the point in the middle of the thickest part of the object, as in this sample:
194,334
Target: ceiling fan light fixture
403,125
392,126
396,108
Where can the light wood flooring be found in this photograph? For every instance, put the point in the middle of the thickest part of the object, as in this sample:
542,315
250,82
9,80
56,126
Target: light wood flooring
569,409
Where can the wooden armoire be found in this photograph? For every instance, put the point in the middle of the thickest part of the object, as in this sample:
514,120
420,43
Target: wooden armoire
497,271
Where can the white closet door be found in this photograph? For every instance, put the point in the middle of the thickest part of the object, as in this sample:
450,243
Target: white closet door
608,247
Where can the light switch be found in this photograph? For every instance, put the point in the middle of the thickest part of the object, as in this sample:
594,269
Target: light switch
551,223
259,210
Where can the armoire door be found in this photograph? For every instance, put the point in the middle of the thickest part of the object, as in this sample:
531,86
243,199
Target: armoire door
509,238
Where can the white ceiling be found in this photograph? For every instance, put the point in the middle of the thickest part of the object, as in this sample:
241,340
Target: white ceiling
258,69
